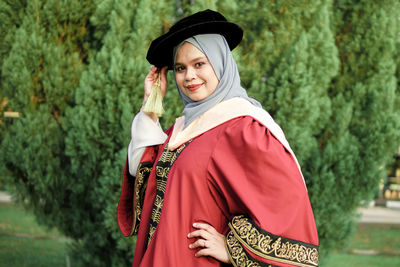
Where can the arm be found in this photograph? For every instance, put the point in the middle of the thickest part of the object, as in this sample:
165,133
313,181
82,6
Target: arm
146,135
146,130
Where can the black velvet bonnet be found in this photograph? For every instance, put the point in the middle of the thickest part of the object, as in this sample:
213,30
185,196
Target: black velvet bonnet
160,52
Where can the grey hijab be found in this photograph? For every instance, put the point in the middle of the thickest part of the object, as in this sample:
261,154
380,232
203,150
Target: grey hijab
216,49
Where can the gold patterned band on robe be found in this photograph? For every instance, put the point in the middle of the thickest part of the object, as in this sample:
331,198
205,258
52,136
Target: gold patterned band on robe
163,167
142,175
239,256
244,233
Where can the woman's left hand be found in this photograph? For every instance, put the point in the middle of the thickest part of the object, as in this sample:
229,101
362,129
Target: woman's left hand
209,241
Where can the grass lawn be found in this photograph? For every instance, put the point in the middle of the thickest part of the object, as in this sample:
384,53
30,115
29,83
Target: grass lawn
24,243
353,260
22,251
382,239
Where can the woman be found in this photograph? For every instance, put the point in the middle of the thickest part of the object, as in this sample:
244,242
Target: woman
222,185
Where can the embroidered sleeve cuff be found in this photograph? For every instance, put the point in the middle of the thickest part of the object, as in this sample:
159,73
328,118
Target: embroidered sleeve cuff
246,238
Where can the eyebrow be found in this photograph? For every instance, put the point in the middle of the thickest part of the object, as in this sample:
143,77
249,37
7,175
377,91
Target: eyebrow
193,60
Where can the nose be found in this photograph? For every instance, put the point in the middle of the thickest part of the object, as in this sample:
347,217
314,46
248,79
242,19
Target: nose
190,74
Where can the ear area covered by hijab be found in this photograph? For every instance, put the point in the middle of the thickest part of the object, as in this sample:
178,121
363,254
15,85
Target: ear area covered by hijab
216,49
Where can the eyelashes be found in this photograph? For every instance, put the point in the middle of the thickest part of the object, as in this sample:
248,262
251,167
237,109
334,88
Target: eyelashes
179,68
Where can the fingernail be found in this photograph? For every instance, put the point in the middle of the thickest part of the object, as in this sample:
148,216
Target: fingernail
195,224
188,235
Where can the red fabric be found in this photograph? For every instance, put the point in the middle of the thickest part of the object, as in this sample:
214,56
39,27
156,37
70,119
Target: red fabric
125,204
236,168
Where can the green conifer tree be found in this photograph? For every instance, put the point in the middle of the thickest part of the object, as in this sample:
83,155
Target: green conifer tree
11,16
109,94
363,131
188,7
41,69
38,77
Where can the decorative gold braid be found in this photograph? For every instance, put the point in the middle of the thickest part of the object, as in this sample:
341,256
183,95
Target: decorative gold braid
162,171
238,255
273,247
151,232
142,176
163,167
167,156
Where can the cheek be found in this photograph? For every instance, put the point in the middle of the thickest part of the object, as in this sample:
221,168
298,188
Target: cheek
216,82
179,80
213,82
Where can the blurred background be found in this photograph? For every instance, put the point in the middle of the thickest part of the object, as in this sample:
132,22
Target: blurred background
71,81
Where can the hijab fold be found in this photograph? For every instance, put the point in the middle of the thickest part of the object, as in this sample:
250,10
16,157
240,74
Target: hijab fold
216,49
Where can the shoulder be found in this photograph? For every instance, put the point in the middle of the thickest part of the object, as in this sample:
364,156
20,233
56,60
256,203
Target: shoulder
249,147
243,127
246,134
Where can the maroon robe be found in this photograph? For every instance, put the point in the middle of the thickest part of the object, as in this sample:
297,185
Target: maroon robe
235,169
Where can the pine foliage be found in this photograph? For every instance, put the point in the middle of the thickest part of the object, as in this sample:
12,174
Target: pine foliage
328,72
98,126
363,132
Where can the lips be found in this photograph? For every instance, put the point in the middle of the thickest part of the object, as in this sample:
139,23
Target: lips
193,87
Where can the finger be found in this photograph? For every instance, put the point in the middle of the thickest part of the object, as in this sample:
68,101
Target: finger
199,233
152,69
164,70
205,227
152,73
201,243
163,73
204,252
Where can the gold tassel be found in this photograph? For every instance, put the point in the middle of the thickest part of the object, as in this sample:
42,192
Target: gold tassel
154,102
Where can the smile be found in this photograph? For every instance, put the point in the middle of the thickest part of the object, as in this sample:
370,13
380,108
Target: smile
193,87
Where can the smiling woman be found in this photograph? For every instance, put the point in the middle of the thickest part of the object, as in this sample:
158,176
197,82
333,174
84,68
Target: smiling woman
222,185
194,74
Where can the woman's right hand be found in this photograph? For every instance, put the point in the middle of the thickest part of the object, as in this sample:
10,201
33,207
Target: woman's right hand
151,78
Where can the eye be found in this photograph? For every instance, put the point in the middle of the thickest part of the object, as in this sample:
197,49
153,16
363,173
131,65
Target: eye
199,64
179,68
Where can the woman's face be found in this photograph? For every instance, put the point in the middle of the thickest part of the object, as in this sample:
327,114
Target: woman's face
193,73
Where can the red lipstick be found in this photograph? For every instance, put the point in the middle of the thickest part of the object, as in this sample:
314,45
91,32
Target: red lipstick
193,87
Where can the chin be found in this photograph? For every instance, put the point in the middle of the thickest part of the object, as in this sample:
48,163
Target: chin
197,98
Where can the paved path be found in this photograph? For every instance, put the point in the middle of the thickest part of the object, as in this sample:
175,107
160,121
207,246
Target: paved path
4,197
380,215
370,215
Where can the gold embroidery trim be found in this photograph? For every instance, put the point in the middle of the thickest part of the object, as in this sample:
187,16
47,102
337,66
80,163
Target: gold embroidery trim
273,247
237,254
163,167
142,176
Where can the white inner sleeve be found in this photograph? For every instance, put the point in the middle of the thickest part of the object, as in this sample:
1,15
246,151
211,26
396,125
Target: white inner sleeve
144,132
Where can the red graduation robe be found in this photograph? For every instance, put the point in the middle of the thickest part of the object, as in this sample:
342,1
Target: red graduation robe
237,177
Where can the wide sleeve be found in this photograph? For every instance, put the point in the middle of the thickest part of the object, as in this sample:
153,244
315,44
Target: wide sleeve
132,193
144,133
257,184
147,137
